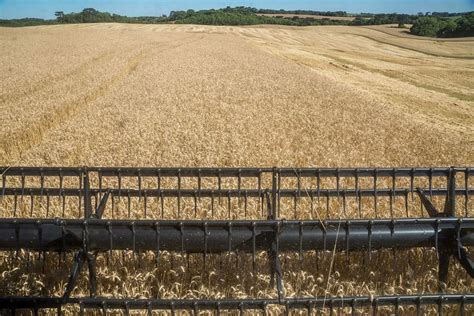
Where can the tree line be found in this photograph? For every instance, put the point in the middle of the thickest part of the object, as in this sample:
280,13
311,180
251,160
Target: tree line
435,26
429,24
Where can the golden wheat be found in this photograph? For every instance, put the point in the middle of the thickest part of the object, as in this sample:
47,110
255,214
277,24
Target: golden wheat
169,95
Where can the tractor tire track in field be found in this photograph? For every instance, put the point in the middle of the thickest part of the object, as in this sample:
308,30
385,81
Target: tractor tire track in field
424,52
19,142
49,81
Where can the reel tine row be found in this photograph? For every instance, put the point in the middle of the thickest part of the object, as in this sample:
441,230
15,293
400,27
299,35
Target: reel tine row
232,193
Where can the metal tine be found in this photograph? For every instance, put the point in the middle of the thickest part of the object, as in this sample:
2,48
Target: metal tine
23,186
80,190
229,237
104,309
295,204
96,199
370,239
173,309
119,178
324,236
391,202
212,203
17,238
300,248
394,187
357,185
149,309
196,309
318,184
40,237
47,203
218,309
181,229
162,202
421,202
145,201
348,224
298,176
132,224
466,192
338,179
199,184
344,202
406,202
32,201
375,303
109,229
331,307
41,184
129,202
179,193
309,308
245,204
219,184
418,306
359,202
63,240
63,202
239,184
397,306
127,309
462,306
4,184
195,203
15,201
440,305
327,204
205,244
139,185
278,187
254,235
157,234
260,196
375,194
113,206
430,182
81,309
100,184
229,205
458,237
437,238
312,205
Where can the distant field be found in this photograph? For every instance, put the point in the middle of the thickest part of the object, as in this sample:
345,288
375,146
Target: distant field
319,17
188,95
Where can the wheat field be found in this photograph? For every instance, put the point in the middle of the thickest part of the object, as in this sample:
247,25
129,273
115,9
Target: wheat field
262,96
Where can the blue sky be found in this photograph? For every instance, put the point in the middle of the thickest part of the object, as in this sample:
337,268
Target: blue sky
45,8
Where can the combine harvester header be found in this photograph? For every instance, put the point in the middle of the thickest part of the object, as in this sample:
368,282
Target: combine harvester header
93,211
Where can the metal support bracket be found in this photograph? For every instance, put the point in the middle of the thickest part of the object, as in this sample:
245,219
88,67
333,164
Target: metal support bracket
84,254
452,246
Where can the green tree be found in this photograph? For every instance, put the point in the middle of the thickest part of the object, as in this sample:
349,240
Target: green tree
427,26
